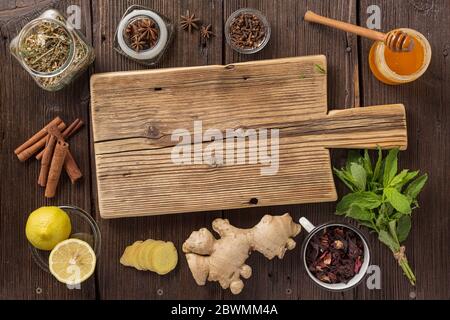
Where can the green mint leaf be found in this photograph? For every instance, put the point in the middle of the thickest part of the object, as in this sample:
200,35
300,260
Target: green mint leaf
384,212
359,175
378,165
393,229
387,209
367,224
398,179
381,221
398,215
343,176
414,188
399,201
365,200
380,178
403,228
386,238
360,214
407,178
353,157
390,167
367,164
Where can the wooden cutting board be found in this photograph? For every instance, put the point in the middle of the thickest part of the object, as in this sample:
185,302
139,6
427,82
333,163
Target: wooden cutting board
134,115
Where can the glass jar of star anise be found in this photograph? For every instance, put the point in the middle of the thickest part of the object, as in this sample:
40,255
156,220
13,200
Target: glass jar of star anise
52,51
143,35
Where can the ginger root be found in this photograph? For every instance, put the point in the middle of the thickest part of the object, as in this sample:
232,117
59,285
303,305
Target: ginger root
223,259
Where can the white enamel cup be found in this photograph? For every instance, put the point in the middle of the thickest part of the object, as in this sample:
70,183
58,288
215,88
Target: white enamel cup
358,278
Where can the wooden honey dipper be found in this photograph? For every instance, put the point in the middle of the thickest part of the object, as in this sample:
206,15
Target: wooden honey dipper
396,40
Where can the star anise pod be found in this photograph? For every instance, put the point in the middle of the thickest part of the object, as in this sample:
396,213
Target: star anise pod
138,44
205,32
131,29
148,31
189,21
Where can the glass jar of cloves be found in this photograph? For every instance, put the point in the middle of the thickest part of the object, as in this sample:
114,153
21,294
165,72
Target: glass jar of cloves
52,51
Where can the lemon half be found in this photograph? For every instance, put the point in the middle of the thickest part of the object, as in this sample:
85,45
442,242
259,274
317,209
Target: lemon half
72,261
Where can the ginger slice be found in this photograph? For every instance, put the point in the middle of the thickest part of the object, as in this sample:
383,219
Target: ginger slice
141,259
149,251
164,258
134,251
127,255
125,258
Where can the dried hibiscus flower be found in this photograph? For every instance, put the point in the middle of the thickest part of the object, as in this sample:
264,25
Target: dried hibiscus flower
335,254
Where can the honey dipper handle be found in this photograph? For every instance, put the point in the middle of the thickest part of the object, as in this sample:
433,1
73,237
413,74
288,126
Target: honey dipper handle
363,32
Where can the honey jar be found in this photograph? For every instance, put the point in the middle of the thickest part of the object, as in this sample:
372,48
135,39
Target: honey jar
400,67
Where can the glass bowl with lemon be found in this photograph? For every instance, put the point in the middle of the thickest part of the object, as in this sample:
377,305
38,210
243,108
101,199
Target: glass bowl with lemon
64,241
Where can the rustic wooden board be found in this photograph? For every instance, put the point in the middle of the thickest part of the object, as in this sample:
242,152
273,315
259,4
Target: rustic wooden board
132,127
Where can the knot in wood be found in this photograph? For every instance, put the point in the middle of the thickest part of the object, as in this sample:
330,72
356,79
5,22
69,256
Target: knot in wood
152,132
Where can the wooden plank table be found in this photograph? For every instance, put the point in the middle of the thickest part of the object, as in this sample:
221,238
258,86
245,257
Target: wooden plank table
25,108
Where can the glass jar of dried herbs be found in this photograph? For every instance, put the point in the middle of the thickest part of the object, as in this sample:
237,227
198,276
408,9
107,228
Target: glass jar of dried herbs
143,35
52,51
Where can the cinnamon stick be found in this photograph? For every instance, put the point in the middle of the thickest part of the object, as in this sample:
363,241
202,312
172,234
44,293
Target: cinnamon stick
36,147
67,133
56,167
46,160
73,128
72,169
38,136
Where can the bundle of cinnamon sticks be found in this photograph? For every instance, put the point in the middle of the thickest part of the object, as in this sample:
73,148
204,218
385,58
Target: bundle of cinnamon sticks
50,146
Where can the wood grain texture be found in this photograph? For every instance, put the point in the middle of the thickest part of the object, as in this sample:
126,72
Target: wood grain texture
222,97
116,281
427,106
25,109
134,159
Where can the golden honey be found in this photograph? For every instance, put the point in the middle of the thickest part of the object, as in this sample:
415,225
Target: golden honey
400,67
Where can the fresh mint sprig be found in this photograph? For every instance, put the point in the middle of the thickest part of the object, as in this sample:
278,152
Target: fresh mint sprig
381,199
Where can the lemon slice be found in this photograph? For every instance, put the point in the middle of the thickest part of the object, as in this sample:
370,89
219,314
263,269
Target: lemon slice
72,261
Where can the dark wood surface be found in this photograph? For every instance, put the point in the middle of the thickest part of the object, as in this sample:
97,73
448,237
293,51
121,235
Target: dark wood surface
25,108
